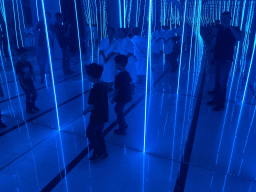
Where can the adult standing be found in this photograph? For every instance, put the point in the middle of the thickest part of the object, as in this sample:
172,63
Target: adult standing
43,59
108,48
126,47
140,51
225,39
62,34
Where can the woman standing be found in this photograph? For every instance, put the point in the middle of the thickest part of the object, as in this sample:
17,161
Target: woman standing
126,47
108,48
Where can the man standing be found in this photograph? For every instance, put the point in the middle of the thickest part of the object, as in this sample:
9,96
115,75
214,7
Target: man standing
225,38
62,33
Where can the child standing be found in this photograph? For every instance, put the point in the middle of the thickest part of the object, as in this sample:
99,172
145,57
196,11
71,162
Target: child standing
25,73
122,94
98,106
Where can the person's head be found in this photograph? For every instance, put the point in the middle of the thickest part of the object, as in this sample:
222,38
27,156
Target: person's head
136,31
225,18
94,72
23,53
121,61
122,32
110,31
48,15
59,17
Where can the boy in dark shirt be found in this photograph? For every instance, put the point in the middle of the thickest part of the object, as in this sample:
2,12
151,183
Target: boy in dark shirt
98,106
25,73
225,39
122,94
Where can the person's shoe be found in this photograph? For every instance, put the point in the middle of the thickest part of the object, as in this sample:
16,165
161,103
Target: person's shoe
97,155
2,125
35,108
31,111
219,107
212,102
119,132
105,155
211,92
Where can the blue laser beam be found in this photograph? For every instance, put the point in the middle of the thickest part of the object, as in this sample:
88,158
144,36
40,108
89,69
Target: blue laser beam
16,35
23,19
21,38
80,53
148,75
50,62
37,14
120,13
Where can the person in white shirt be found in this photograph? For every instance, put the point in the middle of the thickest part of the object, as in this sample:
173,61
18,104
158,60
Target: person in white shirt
108,49
126,47
157,41
140,51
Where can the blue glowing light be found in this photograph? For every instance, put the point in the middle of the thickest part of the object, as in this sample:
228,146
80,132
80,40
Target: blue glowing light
21,38
50,62
148,75
14,13
120,13
80,52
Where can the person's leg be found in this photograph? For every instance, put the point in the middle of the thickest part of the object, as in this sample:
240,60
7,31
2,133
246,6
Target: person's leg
223,79
90,134
2,125
100,137
33,96
28,100
119,109
43,56
65,60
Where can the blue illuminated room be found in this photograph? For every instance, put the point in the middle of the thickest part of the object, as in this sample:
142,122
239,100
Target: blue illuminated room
128,95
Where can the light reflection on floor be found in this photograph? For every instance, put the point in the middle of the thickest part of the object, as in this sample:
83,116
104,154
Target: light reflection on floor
31,164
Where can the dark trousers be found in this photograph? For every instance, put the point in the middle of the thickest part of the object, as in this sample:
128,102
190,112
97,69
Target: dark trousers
119,109
31,95
43,60
221,78
174,60
65,59
96,137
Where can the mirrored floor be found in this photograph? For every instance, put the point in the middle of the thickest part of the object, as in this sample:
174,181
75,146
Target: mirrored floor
36,156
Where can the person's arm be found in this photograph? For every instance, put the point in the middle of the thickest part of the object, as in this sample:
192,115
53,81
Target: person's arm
88,109
33,75
237,34
22,84
114,96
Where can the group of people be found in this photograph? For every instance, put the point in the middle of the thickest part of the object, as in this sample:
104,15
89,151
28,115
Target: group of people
128,56
58,29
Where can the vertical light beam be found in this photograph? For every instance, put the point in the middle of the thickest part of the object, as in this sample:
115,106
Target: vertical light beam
50,62
80,53
147,72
